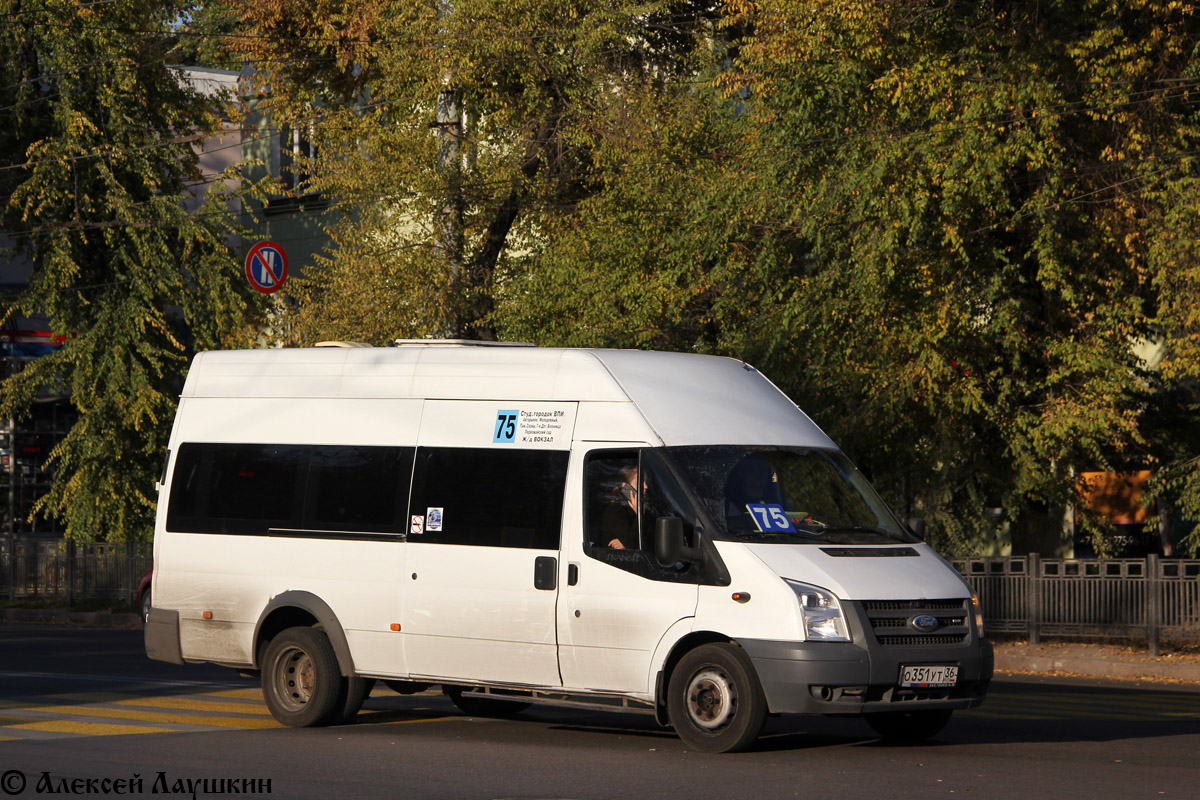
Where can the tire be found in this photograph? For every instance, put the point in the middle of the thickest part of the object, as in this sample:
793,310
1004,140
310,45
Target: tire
144,606
301,681
476,706
352,694
909,726
714,700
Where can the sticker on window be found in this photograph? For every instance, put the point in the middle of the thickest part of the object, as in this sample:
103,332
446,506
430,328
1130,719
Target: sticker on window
433,519
417,525
770,518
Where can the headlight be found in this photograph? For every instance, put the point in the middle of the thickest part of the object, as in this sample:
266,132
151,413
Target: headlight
975,607
823,620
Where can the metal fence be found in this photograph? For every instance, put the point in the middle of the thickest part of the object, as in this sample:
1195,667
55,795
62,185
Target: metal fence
1150,600
63,571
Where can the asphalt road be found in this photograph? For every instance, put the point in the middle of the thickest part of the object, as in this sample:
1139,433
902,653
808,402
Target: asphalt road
79,707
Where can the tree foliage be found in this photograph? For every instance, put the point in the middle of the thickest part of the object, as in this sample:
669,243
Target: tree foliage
459,135
95,165
942,228
206,34
981,201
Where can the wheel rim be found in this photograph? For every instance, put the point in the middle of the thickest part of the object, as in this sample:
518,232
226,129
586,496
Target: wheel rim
711,699
295,678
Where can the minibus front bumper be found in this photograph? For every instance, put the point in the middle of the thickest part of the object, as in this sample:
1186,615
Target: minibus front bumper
865,678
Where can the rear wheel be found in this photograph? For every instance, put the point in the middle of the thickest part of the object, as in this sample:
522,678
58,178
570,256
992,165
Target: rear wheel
714,700
301,681
909,726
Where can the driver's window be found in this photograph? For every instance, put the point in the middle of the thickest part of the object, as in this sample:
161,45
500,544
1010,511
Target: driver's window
625,492
611,500
663,497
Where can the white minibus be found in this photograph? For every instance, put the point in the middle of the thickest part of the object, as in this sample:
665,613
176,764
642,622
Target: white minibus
641,531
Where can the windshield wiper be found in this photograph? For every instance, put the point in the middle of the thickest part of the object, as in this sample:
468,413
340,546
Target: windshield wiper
802,532
887,536
857,529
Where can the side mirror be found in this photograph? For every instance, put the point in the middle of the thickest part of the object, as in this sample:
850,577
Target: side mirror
669,545
917,526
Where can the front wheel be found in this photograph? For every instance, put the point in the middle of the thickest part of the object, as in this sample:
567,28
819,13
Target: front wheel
909,726
714,700
301,681
352,694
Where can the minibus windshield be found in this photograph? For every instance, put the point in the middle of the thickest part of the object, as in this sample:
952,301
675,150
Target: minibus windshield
790,495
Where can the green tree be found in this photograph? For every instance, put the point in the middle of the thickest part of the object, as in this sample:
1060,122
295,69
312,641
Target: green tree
980,216
941,227
95,166
459,135
206,35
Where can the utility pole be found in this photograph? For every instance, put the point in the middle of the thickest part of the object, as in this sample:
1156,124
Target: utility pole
450,133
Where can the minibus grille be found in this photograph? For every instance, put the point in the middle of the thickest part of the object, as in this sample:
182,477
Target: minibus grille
894,622
915,606
918,641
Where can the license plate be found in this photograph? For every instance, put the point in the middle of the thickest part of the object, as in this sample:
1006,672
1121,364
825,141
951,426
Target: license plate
931,677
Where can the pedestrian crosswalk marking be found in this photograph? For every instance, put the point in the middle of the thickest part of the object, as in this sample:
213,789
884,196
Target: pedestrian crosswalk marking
196,703
87,721
159,716
242,694
84,728
109,713
6,721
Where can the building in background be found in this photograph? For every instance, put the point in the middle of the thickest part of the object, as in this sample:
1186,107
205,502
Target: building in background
292,215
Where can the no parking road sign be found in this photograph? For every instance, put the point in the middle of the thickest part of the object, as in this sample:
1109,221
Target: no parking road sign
266,267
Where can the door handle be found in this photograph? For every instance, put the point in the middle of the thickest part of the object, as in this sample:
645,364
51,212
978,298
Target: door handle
572,574
545,573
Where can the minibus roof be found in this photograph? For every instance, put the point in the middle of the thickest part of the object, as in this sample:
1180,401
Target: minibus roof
685,398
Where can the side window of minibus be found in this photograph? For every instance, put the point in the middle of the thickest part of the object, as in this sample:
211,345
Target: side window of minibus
358,488
488,497
237,488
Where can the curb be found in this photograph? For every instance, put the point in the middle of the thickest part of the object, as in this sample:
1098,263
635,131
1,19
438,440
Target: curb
1149,669
93,619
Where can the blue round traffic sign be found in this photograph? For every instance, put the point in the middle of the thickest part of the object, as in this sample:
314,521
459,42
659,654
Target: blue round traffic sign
266,267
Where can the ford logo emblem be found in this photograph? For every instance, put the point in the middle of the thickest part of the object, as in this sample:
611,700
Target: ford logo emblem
925,623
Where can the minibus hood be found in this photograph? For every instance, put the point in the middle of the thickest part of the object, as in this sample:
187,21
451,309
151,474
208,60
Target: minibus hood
862,572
